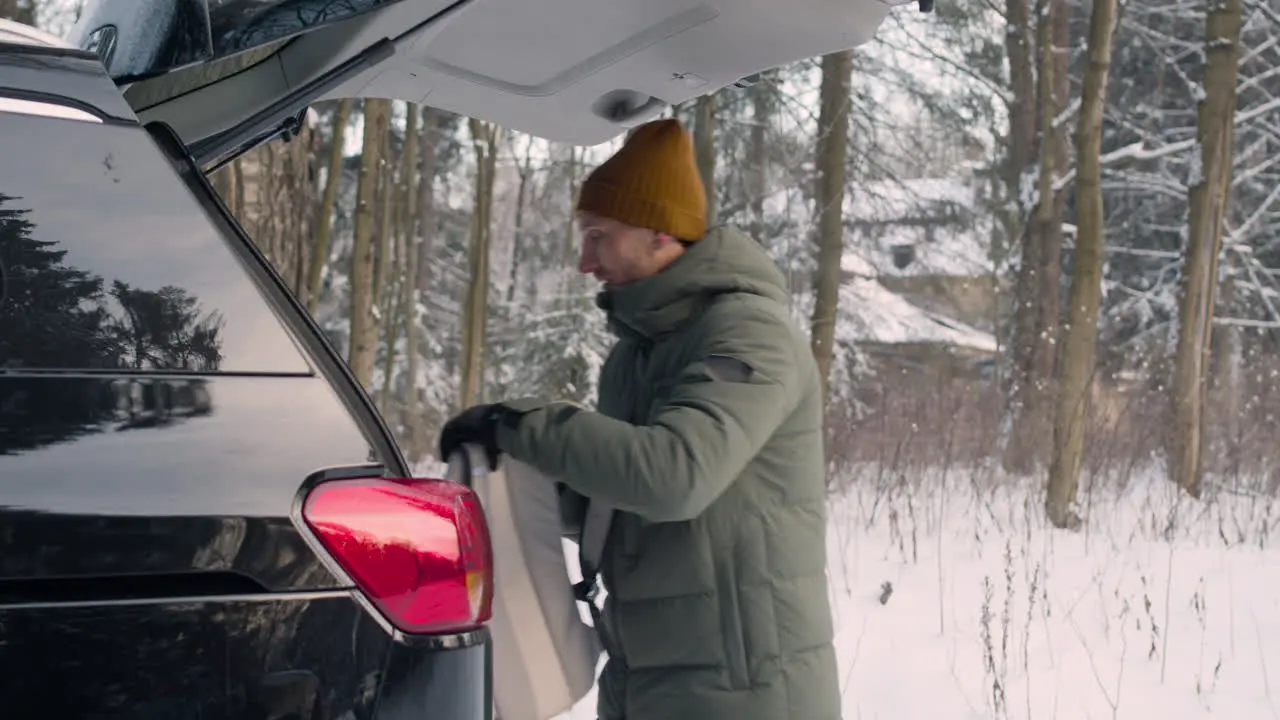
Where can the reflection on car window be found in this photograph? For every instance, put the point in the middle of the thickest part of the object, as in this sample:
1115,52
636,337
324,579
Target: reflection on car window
108,263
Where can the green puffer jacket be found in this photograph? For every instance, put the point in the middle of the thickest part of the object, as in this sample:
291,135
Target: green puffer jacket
708,440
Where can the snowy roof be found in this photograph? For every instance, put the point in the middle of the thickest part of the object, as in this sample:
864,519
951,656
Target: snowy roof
870,312
892,201
915,227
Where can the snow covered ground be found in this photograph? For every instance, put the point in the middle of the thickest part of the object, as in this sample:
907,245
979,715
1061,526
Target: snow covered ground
1159,608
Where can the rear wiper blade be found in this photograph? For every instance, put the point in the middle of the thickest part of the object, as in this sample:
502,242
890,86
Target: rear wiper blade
284,116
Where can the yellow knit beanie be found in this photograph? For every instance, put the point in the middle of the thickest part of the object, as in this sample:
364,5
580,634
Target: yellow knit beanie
651,182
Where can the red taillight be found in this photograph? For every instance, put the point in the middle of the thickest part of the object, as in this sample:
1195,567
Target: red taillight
418,549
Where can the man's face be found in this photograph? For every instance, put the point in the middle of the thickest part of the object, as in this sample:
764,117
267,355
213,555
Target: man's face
617,253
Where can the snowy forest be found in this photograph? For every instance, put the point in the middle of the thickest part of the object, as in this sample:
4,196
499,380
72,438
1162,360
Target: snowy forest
1037,247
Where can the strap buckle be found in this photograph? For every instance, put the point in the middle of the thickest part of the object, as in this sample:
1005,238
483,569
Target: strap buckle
587,591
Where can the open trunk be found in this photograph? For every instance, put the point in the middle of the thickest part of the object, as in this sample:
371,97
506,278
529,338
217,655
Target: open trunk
227,73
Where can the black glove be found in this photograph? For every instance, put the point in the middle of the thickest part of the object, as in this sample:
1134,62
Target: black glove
477,425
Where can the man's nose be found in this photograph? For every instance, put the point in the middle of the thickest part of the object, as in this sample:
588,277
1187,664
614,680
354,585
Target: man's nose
587,262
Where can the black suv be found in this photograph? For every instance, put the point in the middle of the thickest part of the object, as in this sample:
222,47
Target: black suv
198,516
196,519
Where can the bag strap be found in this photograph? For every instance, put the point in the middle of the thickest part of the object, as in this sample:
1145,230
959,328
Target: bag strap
595,534
591,546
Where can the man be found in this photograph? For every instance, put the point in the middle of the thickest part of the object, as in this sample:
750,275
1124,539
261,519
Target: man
707,441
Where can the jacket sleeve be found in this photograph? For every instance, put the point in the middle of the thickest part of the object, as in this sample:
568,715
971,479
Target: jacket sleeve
748,378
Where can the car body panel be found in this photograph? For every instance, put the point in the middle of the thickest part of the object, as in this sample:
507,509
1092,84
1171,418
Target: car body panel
580,71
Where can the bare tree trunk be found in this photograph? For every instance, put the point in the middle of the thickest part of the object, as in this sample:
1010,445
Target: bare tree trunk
265,231
1036,332
704,145
273,188
406,207
1019,46
429,160
833,130
299,205
475,314
237,189
571,238
391,321
324,214
364,330
1079,350
518,250
245,171
1226,369
275,191
761,116
574,300
419,247
386,246
1207,197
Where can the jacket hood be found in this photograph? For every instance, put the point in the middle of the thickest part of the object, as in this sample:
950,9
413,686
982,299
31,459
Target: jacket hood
724,261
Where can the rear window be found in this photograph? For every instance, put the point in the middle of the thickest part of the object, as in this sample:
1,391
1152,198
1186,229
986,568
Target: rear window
107,263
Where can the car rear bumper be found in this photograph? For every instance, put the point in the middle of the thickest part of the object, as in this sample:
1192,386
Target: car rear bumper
424,682
303,656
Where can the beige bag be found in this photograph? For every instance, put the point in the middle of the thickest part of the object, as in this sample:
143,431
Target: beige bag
544,655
